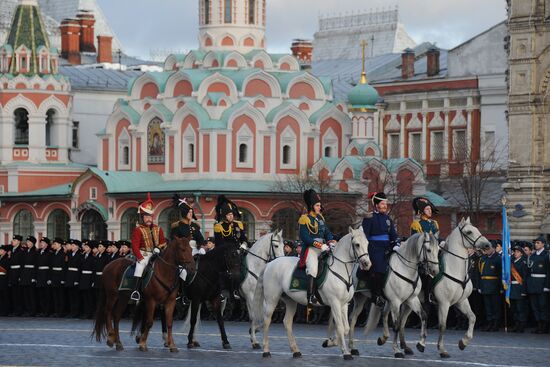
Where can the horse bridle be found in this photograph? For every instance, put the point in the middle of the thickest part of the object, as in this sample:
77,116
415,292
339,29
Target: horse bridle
349,282
424,261
465,259
271,255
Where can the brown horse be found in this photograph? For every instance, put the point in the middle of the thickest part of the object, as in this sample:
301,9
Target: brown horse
161,290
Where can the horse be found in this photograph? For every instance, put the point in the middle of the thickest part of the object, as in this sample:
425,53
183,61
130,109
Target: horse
204,286
336,291
265,249
455,286
161,290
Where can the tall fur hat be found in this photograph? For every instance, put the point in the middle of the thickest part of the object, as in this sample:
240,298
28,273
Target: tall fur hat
224,207
311,197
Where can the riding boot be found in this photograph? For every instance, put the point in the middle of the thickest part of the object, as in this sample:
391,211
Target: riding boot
136,296
311,298
377,285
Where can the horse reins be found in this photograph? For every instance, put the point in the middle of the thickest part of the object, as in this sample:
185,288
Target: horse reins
463,283
270,258
349,282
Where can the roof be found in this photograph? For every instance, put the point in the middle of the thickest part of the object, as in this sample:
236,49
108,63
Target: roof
452,192
53,192
98,79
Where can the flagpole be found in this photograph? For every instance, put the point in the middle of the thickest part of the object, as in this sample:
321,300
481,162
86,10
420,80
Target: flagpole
505,247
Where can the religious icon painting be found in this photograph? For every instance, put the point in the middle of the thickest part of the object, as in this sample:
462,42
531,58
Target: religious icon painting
155,142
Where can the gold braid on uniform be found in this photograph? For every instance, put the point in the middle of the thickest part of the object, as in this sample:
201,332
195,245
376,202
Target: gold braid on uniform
226,233
313,229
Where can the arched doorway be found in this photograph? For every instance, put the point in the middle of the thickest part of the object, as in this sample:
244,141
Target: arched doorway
128,222
249,223
93,226
23,223
58,225
166,218
287,220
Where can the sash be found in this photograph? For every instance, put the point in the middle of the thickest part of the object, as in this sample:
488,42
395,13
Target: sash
517,275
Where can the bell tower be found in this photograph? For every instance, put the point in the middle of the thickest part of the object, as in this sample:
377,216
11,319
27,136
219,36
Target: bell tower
227,25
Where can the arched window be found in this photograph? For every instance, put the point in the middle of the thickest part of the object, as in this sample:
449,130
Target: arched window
21,117
124,150
188,151
93,226
228,17
50,118
206,11
126,155
330,143
287,220
328,151
249,223
128,222
58,224
23,223
155,141
251,11
243,153
167,217
286,154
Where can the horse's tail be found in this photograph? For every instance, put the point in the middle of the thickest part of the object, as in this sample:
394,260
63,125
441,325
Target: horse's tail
139,315
373,319
100,324
258,301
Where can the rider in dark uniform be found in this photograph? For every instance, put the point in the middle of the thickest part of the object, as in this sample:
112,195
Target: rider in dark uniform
538,285
229,233
382,235
16,263
425,224
316,239
518,289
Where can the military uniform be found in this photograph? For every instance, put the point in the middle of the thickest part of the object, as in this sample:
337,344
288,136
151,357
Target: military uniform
538,285
57,275
518,293
43,281
87,268
28,280
4,289
229,234
17,260
314,233
476,299
490,285
192,231
380,231
72,280
101,261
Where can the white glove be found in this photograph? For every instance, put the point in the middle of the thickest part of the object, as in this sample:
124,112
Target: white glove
183,274
479,291
49,282
244,246
62,282
142,261
202,251
33,280
547,289
396,247
156,250
324,248
193,243
75,283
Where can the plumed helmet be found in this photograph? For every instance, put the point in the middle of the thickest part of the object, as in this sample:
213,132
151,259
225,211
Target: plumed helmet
183,206
377,197
224,207
420,203
311,197
147,206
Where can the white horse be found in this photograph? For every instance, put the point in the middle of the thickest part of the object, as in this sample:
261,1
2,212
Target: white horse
266,249
336,291
455,285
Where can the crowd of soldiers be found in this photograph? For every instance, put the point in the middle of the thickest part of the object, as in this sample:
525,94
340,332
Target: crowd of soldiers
53,278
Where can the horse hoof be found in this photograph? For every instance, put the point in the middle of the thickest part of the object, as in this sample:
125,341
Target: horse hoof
461,345
165,345
354,352
226,346
420,347
256,346
196,344
142,348
266,355
297,355
190,346
110,344
119,348
381,341
325,344
348,357
444,355
174,350
399,355
137,339
408,351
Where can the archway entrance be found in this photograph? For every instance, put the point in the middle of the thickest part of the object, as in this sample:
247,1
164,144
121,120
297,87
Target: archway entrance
93,226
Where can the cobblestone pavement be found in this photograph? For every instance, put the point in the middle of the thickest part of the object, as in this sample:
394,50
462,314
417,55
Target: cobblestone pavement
67,342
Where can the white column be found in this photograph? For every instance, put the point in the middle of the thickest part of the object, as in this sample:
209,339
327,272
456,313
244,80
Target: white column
6,143
469,126
403,113
37,138
214,152
446,134
424,129
64,126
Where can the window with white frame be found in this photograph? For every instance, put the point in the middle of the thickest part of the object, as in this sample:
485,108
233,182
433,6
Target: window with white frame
415,146
245,144
124,150
330,143
75,137
489,145
460,145
394,146
93,193
189,150
288,153
437,146
4,62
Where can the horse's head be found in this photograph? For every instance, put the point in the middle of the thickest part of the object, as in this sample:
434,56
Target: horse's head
360,247
183,253
276,246
471,236
429,253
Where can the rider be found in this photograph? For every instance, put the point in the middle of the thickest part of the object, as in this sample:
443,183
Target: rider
186,228
229,232
146,238
425,209
316,238
382,235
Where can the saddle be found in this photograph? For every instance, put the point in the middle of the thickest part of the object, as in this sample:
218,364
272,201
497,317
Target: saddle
128,282
299,281
364,280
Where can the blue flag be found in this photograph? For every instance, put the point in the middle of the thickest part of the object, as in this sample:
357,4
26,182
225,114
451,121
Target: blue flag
506,261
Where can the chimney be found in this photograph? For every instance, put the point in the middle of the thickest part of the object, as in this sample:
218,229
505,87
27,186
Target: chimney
407,64
87,22
302,50
105,49
70,40
433,61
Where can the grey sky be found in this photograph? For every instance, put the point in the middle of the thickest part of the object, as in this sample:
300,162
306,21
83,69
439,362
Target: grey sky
143,25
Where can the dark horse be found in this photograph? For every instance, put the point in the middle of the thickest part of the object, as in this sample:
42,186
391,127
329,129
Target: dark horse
204,286
161,290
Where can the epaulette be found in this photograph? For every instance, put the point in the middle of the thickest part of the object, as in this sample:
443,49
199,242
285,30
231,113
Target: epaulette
240,224
436,224
415,226
175,224
218,228
304,219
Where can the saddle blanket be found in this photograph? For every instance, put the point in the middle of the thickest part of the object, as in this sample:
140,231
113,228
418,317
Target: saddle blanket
298,281
128,282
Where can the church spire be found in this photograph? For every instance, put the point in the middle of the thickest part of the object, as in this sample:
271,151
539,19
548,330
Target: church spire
363,72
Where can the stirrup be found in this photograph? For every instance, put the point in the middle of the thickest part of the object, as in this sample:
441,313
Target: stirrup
380,301
135,296
236,295
313,301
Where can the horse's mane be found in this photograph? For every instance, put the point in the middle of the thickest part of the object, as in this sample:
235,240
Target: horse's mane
411,243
